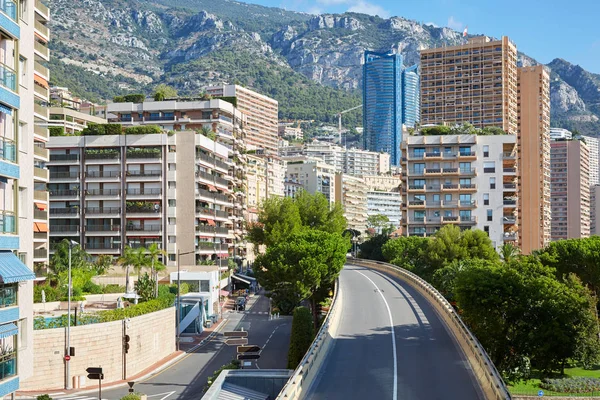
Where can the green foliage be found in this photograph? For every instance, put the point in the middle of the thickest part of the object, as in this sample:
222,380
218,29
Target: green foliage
59,262
144,287
380,223
102,129
143,130
407,252
229,99
56,130
509,252
91,288
113,288
162,92
301,337
44,397
132,396
183,288
130,98
52,293
371,248
464,129
315,212
103,264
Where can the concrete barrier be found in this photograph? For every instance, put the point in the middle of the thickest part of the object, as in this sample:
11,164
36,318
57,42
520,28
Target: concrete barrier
484,370
305,373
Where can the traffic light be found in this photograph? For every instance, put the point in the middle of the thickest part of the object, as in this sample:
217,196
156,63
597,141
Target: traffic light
72,351
126,343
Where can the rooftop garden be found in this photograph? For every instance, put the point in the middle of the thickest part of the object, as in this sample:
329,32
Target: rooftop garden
464,129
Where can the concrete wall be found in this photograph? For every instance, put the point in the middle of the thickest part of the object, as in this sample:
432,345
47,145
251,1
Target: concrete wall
152,338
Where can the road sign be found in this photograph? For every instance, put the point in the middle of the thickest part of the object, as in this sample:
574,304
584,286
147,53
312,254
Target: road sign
236,334
130,386
248,349
67,357
236,342
540,393
248,356
95,373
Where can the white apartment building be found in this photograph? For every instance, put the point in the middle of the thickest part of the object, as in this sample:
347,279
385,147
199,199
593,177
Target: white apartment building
312,175
112,191
467,180
383,197
69,121
560,134
594,157
351,193
287,130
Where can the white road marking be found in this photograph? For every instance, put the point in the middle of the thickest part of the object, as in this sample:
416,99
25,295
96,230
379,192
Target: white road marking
395,389
160,394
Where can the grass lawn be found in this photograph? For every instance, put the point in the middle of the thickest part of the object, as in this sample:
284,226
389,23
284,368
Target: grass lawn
532,386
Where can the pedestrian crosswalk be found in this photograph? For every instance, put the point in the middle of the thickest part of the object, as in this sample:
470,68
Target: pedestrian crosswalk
256,312
57,396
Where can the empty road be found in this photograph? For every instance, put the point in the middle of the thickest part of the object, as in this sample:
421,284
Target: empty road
391,344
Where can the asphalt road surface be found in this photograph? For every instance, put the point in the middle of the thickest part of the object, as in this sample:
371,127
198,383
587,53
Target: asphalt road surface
187,378
391,344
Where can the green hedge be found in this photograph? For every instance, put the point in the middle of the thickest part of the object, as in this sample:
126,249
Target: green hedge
143,130
56,130
130,98
302,336
102,129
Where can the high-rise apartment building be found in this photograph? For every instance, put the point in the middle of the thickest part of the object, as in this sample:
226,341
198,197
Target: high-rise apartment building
534,158
351,194
390,101
475,82
383,197
570,190
262,114
595,210
465,180
265,177
560,133
312,175
593,145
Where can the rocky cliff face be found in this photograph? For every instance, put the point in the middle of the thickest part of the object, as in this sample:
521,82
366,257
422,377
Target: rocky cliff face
144,42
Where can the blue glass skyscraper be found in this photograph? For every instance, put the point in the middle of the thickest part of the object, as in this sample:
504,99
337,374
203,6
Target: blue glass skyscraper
390,99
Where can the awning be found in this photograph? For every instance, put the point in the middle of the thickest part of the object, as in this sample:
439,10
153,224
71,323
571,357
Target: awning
210,222
6,110
12,269
7,330
40,227
40,81
240,279
41,206
248,278
212,188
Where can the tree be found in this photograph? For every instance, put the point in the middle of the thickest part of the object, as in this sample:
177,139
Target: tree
128,259
301,336
278,218
508,252
293,270
371,248
380,223
316,212
163,91
464,129
144,287
154,253
407,252
59,262
103,264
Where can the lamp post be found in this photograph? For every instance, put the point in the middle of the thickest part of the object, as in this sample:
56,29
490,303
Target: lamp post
72,244
177,310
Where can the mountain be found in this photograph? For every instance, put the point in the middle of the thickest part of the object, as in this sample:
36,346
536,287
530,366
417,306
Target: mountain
310,63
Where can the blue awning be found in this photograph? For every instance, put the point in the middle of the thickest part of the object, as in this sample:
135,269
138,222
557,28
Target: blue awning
7,330
6,110
12,269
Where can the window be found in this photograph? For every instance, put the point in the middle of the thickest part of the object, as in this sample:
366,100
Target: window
22,71
24,206
419,197
419,168
8,362
447,197
436,213
204,286
465,215
172,239
486,199
22,137
486,229
486,150
492,183
490,215
465,166
23,9
465,182
172,167
465,198
172,203
489,166
8,295
465,150
447,213
447,150
172,257
172,221
418,183
436,197
172,185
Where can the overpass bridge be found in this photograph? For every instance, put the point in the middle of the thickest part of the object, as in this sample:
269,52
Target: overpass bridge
390,335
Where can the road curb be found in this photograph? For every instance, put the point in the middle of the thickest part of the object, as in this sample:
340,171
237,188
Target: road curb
140,379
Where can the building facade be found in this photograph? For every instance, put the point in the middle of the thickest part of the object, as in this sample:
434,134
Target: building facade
383,197
593,146
560,133
534,158
266,176
465,180
262,114
69,121
312,175
594,210
390,101
475,82
351,194
570,190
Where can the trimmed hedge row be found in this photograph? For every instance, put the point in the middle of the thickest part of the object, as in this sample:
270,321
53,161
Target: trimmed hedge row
302,336
117,129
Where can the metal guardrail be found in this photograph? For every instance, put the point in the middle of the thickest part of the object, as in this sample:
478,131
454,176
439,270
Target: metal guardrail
485,364
298,382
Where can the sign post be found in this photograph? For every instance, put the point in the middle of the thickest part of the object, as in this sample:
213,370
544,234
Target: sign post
239,334
130,386
97,374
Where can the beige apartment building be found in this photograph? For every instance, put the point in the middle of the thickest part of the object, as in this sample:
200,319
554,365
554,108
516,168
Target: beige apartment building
351,194
534,158
262,115
465,180
266,174
594,210
570,190
69,121
312,175
475,82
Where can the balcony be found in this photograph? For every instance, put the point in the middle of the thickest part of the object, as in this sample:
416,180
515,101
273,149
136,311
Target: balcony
211,178
103,192
41,132
468,172
64,158
416,156
416,204
416,188
433,171
103,175
509,236
40,69
42,50
102,211
41,152
141,154
150,209
510,202
143,193
41,174
8,150
143,175
212,213
510,187
103,247
450,171
145,229
468,187
468,220
41,91
42,29
61,230
40,214
98,229
212,229
432,156
213,196
509,220
64,193
509,171
207,246
8,77
64,176
416,172
449,186
509,156
40,195
7,222
160,118
63,212
466,155
42,8
467,203
9,8
40,253
454,219
213,161
102,154
40,110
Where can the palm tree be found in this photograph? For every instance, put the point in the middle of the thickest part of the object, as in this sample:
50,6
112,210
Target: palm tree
154,252
126,260
141,260
508,252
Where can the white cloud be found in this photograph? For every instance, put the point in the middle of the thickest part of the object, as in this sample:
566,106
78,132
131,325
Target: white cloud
368,8
431,24
454,24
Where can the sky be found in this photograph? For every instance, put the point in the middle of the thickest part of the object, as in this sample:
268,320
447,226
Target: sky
542,29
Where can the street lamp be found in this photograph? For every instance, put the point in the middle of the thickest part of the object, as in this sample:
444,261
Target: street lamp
72,244
177,311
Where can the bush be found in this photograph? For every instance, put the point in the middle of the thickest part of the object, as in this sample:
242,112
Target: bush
130,98
143,130
132,396
51,293
102,129
44,397
184,288
113,288
91,288
301,337
56,130
571,385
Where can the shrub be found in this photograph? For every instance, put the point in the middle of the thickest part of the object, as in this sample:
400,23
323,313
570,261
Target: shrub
130,98
56,130
571,385
102,129
301,337
51,293
183,288
113,288
44,397
143,130
91,288
164,290
132,396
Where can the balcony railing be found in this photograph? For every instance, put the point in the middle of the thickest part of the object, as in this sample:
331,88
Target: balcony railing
510,186
143,173
102,155
138,192
41,195
8,78
40,90
211,160
40,253
103,228
8,365
209,211
40,152
43,29
450,170
102,246
41,173
8,296
160,118
64,175
41,110
145,228
103,174
103,210
211,229
7,222
39,68
149,209
64,157
207,245
8,150
211,178
509,220
509,170
509,237
41,48
143,153
103,192
64,193
9,8
64,211
41,131
213,195
40,214
64,228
